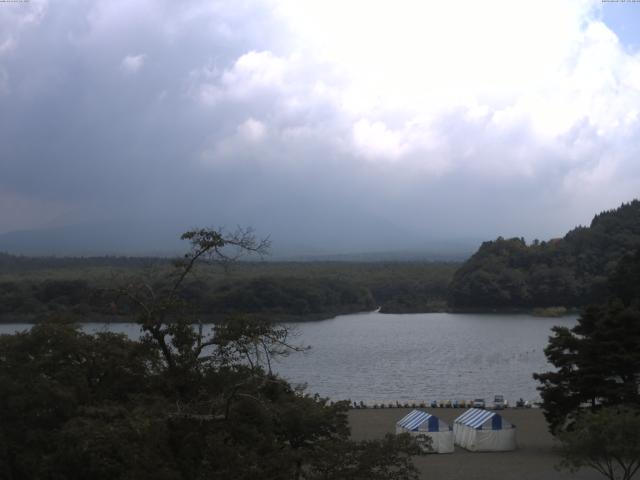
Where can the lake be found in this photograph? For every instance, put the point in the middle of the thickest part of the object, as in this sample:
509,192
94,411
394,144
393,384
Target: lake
377,357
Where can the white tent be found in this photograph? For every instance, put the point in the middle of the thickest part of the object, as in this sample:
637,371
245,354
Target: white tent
484,431
421,424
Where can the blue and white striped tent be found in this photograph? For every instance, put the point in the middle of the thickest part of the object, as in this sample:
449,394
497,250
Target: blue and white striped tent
484,431
418,424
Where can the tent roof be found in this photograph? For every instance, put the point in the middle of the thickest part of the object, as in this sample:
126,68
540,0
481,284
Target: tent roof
415,419
476,417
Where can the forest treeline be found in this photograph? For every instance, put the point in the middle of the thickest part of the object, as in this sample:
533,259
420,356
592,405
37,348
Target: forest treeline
36,288
504,274
571,271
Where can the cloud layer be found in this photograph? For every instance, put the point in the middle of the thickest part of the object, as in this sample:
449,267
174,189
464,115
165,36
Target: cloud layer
363,125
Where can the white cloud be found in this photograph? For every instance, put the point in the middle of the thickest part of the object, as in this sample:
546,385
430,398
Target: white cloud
252,73
7,45
253,130
256,69
133,63
14,22
375,140
441,69
28,14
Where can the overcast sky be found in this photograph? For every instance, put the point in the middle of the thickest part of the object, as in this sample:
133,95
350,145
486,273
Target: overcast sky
359,123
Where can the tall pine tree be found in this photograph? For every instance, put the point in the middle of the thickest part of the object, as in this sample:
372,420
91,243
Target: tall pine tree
597,361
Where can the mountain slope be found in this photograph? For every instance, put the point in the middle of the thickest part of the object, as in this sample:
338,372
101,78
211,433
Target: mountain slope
570,272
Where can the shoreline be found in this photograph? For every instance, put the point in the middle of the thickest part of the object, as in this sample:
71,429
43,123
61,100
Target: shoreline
534,459
34,319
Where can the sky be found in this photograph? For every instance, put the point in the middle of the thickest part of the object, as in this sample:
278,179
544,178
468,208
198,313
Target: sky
332,125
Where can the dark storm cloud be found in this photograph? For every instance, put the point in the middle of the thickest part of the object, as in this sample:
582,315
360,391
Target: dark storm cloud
222,113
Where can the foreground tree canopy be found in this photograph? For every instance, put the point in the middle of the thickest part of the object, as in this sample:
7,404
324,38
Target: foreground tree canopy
607,440
181,403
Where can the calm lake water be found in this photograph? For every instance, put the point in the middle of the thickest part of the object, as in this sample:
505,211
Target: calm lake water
420,357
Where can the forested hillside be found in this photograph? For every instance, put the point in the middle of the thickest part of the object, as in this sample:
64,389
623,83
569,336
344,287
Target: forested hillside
33,289
569,272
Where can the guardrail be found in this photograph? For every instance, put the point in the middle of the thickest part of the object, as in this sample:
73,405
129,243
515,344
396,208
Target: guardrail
432,404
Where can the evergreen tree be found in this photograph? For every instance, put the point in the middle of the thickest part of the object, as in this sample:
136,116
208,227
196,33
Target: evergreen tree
597,361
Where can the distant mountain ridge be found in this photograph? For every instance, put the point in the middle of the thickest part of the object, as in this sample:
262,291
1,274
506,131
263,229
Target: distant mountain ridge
95,239
20,264
571,271
155,239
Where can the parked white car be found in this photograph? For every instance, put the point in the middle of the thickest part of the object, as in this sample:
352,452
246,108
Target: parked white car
479,403
499,402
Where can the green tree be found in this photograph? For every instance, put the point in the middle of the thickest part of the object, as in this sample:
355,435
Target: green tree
386,459
57,382
569,271
182,403
607,440
597,361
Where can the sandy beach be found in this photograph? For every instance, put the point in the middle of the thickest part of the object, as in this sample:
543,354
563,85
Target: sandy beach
534,458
